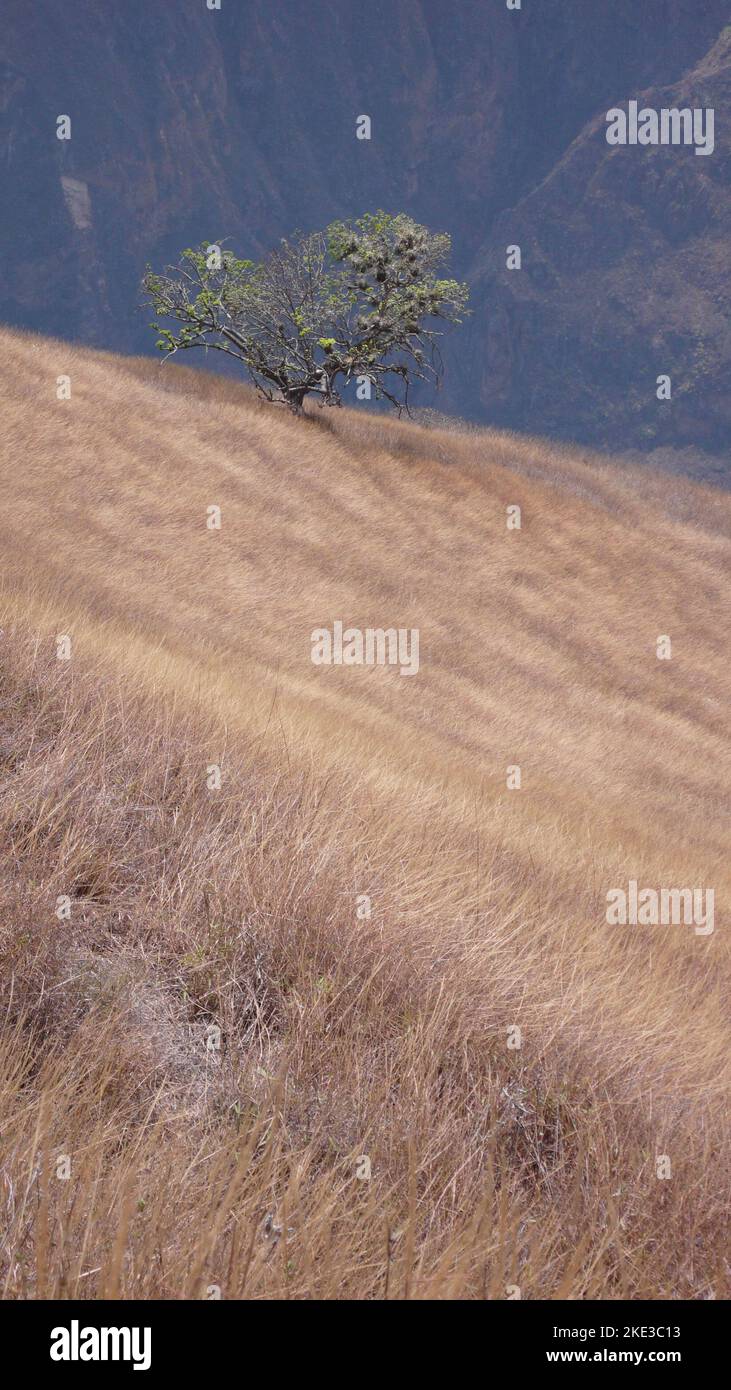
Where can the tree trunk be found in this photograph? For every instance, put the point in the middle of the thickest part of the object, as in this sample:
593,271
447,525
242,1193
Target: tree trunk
295,397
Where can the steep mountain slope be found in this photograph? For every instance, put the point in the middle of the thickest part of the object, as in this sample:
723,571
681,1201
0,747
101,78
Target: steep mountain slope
189,123
627,275
323,524
190,649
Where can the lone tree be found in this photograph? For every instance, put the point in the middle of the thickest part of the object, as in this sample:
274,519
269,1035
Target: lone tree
360,299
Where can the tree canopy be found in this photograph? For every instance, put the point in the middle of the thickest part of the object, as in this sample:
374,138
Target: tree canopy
360,299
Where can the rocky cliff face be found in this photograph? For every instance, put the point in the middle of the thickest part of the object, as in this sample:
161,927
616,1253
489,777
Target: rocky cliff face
626,276
189,123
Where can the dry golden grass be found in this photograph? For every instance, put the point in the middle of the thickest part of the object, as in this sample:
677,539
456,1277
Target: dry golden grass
191,910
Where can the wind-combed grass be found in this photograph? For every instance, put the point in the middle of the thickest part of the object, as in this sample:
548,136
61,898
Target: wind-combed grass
253,1086
343,1042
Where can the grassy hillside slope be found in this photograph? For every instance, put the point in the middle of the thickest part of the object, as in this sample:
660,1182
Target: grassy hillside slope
233,1160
